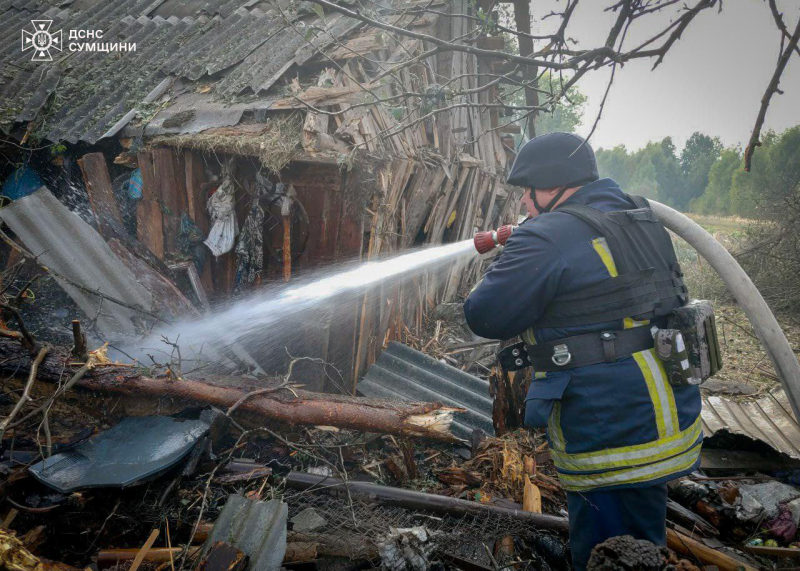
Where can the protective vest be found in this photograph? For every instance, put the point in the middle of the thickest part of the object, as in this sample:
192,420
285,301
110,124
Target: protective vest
645,282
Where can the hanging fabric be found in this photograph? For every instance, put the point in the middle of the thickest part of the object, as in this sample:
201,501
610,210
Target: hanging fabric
250,248
224,226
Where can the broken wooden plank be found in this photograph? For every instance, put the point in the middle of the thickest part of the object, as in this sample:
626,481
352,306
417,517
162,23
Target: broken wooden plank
224,557
170,173
687,546
150,225
110,557
532,497
100,190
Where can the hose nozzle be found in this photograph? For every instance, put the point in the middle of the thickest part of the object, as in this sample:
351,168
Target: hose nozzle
489,240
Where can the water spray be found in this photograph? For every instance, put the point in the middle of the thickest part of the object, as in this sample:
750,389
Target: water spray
266,320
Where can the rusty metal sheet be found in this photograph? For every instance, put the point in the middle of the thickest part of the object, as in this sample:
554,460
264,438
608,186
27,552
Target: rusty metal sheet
767,418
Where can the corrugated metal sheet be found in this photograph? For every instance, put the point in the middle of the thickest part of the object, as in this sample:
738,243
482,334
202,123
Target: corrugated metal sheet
403,373
64,242
767,418
257,528
231,43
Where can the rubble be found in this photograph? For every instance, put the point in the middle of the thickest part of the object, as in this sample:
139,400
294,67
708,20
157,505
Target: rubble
625,553
406,550
769,495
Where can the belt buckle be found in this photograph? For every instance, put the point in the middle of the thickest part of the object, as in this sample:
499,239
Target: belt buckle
561,355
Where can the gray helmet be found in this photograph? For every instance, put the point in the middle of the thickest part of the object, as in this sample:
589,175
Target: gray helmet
551,161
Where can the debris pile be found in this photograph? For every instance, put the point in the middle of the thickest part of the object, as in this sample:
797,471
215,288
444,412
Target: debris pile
125,466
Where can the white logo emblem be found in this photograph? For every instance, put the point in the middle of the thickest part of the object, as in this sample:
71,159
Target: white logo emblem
41,40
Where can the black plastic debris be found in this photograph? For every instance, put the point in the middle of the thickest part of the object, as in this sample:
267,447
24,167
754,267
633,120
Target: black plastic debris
132,451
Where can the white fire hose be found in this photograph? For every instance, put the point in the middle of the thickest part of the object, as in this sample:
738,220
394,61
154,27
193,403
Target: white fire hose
739,284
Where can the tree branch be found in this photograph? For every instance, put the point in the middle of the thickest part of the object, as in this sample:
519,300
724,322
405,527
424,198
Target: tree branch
765,100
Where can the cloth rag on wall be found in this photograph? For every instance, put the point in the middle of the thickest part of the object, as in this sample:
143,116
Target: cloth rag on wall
224,226
250,248
190,242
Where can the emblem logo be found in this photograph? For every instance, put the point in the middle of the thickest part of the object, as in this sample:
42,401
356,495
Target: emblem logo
41,40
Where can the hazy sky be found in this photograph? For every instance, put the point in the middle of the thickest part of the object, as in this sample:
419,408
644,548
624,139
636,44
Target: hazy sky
712,80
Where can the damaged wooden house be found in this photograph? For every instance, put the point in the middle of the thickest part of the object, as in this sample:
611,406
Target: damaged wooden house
244,144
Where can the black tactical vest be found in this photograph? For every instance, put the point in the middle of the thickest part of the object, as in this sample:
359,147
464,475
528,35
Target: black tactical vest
649,283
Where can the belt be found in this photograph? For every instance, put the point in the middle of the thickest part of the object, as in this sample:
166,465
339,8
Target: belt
588,349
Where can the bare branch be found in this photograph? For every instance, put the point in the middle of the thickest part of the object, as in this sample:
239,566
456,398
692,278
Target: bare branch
765,100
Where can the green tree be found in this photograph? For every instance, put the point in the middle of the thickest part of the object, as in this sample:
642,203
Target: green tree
716,198
653,171
565,117
771,190
615,163
698,156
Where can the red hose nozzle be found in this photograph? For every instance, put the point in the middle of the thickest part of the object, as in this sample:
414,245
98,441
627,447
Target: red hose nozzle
489,240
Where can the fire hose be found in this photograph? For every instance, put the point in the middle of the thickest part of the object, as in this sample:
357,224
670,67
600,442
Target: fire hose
737,281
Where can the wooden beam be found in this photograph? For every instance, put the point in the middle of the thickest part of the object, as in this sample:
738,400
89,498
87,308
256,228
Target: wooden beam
687,546
196,197
491,42
150,226
170,173
101,192
510,128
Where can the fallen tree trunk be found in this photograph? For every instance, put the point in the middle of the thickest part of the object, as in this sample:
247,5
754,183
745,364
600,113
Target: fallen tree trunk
291,406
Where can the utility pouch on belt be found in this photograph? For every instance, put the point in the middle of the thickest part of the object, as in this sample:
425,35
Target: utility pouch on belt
689,347
514,358
671,349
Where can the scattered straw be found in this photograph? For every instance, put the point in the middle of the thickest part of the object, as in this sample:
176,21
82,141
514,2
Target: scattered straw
275,142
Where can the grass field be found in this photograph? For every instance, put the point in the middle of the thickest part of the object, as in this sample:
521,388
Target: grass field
745,360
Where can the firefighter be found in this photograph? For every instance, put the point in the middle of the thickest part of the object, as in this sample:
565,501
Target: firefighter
584,281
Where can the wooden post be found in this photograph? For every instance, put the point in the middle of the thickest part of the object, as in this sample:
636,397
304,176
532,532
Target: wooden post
100,191
171,176
196,197
150,225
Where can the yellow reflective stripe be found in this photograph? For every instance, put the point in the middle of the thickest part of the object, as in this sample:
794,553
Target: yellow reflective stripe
578,482
528,336
630,456
664,389
630,323
601,247
660,393
554,429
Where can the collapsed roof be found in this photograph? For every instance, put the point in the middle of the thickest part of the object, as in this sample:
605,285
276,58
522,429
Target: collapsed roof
210,64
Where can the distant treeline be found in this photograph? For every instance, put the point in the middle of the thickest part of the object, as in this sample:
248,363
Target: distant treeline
707,177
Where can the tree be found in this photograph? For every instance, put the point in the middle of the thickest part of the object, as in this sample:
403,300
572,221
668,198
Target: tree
615,163
697,158
567,115
771,192
716,198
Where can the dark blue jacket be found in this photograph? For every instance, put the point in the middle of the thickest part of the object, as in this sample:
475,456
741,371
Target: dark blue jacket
609,425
